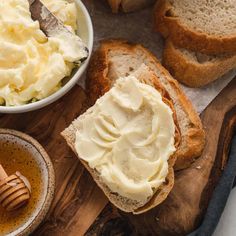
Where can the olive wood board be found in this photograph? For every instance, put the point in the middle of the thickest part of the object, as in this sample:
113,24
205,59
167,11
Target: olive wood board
79,206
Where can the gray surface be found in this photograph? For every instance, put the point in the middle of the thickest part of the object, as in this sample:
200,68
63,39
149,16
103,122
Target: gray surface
219,198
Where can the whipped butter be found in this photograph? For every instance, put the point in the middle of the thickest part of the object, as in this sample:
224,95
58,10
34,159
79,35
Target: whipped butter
128,137
32,66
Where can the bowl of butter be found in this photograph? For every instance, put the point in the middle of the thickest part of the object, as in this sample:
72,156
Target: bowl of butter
36,69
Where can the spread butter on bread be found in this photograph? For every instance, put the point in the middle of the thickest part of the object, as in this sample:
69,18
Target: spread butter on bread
127,141
130,139
117,58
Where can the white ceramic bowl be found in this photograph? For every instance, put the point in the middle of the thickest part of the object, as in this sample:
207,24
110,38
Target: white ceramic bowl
85,31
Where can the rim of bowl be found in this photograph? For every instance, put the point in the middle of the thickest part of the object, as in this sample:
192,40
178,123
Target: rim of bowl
71,83
51,180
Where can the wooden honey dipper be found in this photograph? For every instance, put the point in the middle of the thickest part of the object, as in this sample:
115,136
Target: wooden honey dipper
14,190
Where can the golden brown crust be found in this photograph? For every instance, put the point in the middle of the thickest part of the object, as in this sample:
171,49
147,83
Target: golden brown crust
191,73
98,83
188,38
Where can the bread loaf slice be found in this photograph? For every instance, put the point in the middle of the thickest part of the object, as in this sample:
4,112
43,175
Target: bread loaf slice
203,26
118,58
195,69
145,75
129,5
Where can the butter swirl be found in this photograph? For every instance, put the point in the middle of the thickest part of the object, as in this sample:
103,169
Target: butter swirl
128,137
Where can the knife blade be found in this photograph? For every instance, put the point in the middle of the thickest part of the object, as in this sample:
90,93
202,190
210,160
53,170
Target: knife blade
53,27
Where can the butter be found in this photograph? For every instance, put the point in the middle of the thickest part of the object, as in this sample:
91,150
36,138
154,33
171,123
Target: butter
72,53
128,137
32,66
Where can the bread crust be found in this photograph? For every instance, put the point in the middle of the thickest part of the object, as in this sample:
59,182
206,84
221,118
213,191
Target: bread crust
191,73
193,140
162,192
188,38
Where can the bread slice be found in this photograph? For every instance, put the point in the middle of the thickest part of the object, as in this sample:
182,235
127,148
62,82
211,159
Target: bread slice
202,26
145,75
117,58
195,69
129,5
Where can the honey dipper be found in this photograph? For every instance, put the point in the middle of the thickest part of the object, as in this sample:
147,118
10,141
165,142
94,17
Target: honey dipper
14,190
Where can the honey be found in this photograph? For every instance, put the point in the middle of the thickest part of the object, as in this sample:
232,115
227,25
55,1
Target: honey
18,156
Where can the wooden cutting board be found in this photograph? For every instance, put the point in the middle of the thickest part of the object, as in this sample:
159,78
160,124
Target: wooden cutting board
79,204
78,201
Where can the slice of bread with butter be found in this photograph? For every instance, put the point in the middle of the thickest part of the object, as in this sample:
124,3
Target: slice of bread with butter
117,58
130,138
